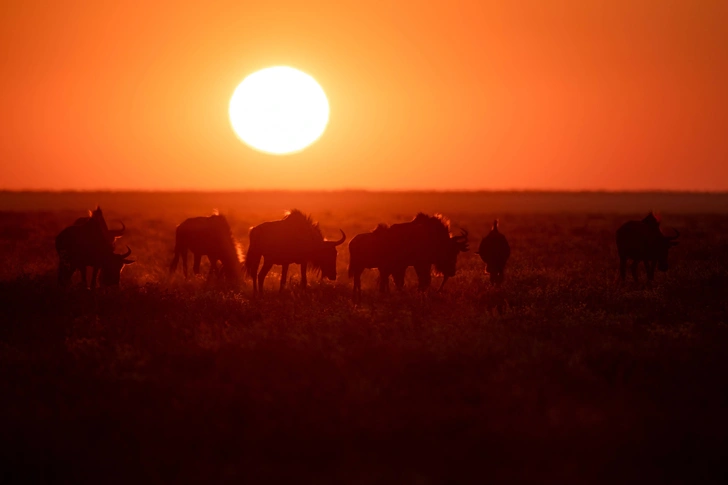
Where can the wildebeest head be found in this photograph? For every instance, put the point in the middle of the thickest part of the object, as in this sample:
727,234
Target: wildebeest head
664,243
448,256
112,267
97,217
325,257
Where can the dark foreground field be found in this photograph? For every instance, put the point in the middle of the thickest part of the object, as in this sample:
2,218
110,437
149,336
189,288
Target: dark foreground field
561,376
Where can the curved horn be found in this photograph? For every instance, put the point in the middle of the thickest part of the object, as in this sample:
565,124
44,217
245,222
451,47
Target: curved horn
118,232
464,233
340,241
126,254
677,235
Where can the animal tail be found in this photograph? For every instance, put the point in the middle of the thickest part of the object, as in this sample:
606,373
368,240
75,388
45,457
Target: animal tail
64,268
252,260
178,251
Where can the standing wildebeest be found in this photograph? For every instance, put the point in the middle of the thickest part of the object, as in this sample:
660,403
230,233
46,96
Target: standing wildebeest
111,235
211,237
422,242
87,244
643,241
494,250
295,239
368,250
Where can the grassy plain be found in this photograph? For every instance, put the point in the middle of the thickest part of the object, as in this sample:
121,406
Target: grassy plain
560,376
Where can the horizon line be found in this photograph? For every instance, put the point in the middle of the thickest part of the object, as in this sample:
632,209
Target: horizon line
372,191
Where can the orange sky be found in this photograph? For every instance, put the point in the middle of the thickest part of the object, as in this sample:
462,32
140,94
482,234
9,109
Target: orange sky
454,95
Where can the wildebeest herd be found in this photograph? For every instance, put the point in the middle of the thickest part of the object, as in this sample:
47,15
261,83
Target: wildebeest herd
297,239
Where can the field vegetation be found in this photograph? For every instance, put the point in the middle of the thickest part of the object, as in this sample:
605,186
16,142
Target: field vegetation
561,375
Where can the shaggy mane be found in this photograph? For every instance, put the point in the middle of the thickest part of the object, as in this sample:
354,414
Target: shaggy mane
440,222
295,216
381,228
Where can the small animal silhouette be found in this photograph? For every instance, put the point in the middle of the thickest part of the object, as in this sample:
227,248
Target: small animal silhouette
207,236
643,241
494,250
88,243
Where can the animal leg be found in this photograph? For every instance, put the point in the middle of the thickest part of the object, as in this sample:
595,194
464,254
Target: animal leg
398,276
94,275
650,267
284,276
383,281
635,267
622,268
183,253
213,267
304,280
424,277
173,264
196,264
263,273
357,284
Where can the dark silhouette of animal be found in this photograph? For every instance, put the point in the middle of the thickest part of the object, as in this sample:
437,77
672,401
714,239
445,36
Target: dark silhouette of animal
207,236
494,250
422,242
368,250
84,245
295,239
110,234
643,241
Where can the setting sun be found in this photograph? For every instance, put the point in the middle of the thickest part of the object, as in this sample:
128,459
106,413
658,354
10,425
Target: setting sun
279,110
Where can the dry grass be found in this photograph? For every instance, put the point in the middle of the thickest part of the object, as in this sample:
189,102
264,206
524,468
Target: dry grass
574,380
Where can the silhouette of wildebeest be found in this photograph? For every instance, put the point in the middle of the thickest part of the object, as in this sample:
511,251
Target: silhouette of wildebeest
295,239
111,235
494,250
368,250
643,241
207,236
87,244
422,242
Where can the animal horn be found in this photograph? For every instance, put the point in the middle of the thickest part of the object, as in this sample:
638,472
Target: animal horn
340,241
126,254
464,233
118,232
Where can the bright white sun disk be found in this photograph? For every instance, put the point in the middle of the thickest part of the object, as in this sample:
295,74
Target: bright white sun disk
279,110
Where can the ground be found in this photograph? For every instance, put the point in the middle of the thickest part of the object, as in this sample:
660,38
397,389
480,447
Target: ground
563,375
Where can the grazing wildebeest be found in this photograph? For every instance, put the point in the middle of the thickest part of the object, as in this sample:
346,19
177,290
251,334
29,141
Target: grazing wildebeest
422,242
643,241
110,234
86,244
494,250
368,250
295,239
207,236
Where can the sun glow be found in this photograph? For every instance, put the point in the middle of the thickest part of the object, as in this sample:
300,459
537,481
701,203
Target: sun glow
279,110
